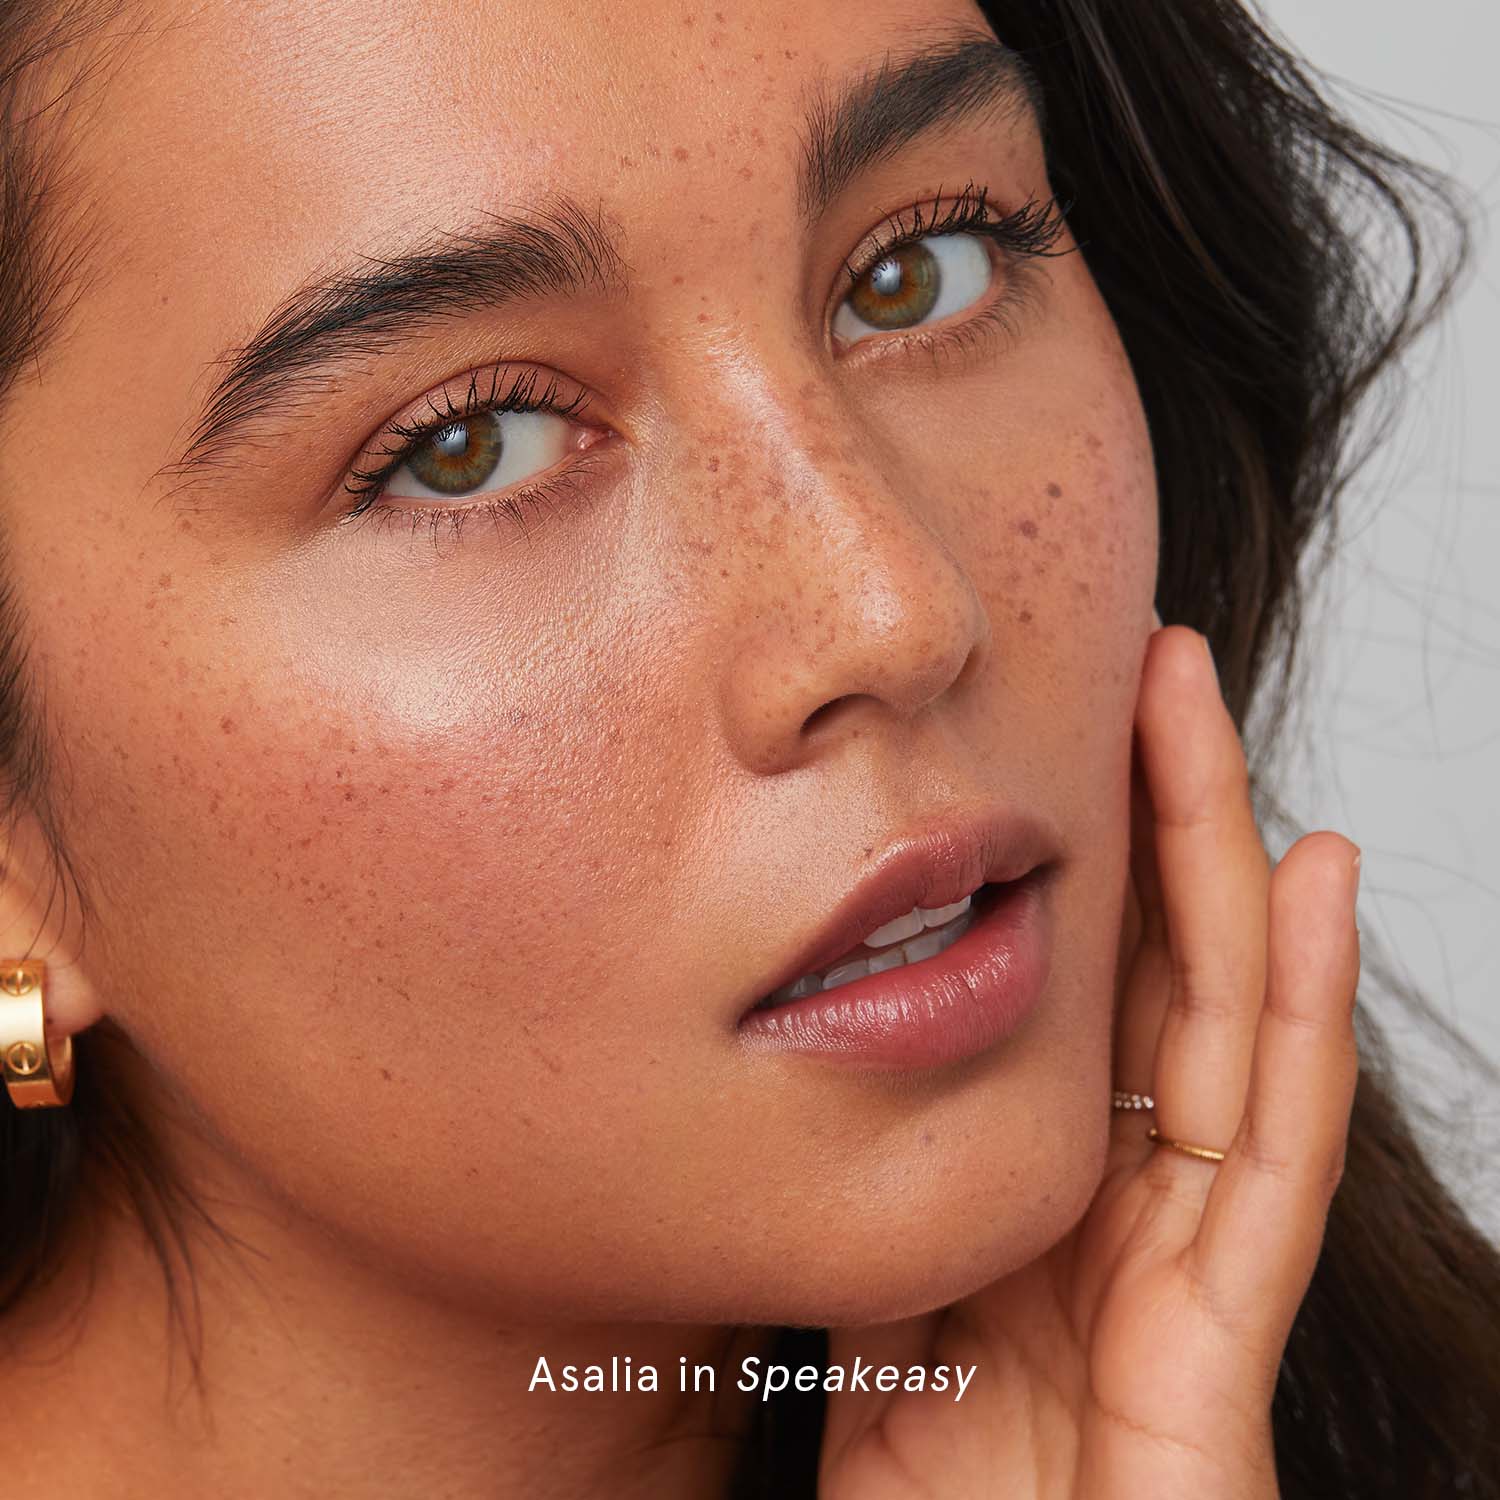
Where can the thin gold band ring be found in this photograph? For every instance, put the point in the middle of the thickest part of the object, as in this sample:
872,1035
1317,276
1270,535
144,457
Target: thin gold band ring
1206,1153
1124,1099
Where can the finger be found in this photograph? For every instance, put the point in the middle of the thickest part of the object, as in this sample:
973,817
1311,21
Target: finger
1214,879
1146,984
1142,973
1265,1216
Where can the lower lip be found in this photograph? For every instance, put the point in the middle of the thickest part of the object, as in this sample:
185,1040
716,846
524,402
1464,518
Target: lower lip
955,1005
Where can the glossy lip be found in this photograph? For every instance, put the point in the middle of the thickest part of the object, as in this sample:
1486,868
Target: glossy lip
944,1009
936,867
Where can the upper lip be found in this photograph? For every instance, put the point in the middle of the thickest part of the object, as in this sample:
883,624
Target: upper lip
936,866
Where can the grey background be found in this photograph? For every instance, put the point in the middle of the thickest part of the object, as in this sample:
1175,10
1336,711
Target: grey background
1399,742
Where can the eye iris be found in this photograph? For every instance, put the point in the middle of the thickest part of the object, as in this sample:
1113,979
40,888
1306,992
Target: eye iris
460,456
902,289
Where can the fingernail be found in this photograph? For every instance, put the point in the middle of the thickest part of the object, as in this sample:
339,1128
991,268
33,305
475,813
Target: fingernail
1357,857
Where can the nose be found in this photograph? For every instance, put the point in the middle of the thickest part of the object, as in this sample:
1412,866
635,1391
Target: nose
852,610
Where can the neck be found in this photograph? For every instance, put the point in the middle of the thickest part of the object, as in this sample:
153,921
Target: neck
304,1373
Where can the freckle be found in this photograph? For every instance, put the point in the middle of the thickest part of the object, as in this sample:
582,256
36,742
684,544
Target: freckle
713,464
758,56
1055,490
723,572
1027,528
1083,590
226,724
1024,617
680,152
627,161
677,281
165,581
746,173
385,1073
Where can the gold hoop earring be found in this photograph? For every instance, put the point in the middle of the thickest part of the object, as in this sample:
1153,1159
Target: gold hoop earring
36,1073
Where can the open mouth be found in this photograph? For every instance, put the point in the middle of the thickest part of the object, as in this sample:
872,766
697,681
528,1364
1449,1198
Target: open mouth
919,935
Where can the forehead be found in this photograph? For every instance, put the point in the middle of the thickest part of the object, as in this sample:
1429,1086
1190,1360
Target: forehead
279,123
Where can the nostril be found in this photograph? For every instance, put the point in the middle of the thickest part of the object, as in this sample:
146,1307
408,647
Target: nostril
820,715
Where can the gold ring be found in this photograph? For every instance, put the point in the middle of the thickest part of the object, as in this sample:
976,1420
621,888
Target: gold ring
1207,1153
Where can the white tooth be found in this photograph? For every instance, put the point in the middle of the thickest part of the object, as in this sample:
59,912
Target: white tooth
809,984
925,946
953,932
845,973
937,915
897,931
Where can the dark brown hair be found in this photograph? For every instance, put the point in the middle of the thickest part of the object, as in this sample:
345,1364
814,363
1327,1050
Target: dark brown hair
1218,197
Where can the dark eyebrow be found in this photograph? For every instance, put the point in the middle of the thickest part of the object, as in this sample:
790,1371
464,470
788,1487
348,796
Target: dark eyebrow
386,300
874,116
367,309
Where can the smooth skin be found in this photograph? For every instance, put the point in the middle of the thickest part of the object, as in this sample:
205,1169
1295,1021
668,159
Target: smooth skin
430,881
1139,1356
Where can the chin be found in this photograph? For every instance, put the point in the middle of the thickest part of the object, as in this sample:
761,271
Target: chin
905,1264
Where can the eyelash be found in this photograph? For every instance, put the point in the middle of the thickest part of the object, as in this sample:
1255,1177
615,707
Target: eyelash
1022,236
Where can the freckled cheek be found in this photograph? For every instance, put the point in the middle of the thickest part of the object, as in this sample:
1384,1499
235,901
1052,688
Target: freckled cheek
1063,551
508,861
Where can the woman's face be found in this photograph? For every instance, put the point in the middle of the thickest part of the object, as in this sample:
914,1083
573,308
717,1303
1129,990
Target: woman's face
436,867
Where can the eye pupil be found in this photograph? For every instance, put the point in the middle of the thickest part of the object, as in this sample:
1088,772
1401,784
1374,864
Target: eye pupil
901,290
452,439
460,456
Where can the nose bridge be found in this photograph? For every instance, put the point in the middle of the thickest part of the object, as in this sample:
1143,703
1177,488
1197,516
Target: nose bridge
835,578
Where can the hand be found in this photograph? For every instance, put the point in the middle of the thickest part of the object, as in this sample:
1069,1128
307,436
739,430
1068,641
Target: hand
1138,1357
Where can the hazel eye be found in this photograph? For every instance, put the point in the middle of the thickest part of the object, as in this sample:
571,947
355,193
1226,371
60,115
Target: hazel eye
495,448
926,279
